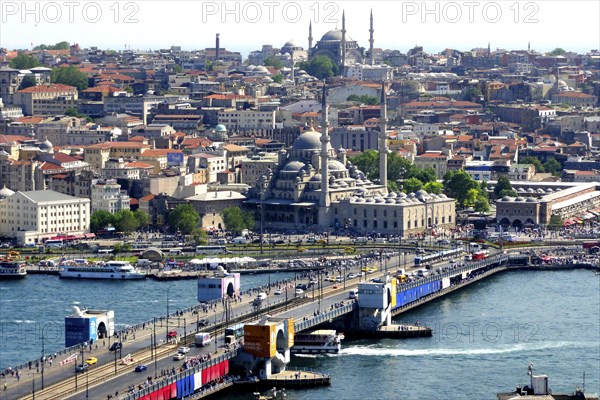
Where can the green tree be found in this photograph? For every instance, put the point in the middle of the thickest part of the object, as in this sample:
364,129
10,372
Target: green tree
248,219
364,99
177,68
23,61
457,185
71,76
433,187
274,62
555,223
277,78
100,220
58,46
503,184
557,52
368,162
424,174
398,167
412,185
28,81
320,67
539,168
481,204
552,166
471,197
393,186
142,217
125,221
200,237
184,218
233,219
507,192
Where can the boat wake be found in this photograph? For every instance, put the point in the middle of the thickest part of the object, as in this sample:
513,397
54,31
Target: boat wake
441,352
308,355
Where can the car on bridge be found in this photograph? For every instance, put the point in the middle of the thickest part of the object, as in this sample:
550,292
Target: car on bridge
178,356
82,368
278,292
299,291
91,360
202,323
184,350
172,334
141,368
116,346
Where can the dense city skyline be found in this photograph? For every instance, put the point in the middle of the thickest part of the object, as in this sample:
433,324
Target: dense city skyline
142,25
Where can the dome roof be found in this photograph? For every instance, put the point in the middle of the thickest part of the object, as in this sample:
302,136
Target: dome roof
531,200
335,34
6,192
309,140
316,178
290,43
293,166
507,198
335,165
46,145
520,198
220,128
421,194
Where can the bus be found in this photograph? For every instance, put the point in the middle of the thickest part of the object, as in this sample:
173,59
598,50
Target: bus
435,257
479,255
235,330
57,243
211,250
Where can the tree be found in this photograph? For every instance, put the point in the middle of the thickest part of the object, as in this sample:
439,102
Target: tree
557,52
412,185
142,217
100,220
125,221
248,219
320,67
507,192
274,62
539,168
58,46
471,198
71,76
503,184
555,223
433,187
277,78
552,166
368,162
364,99
481,204
23,61
424,174
200,237
184,218
28,81
233,219
457,185
398,167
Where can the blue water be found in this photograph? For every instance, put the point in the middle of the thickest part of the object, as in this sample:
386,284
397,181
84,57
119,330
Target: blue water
485,335
39,303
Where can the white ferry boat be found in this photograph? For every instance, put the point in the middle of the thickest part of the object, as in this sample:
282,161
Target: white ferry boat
102,270
12,269
318,341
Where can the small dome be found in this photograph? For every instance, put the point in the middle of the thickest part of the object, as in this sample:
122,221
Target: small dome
520,190
530,190
443,196
540,191
402,195
370,200
520,198
549,190
507,198
293,166
531,200
220,128
46,145
390,201
335,165
316,178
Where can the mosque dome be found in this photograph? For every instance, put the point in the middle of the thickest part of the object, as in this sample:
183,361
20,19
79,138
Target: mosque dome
290,43
334,35
309,140
335,165
220,128
293,166
316,178
46,145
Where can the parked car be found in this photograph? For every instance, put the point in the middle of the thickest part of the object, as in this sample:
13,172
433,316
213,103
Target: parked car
141,368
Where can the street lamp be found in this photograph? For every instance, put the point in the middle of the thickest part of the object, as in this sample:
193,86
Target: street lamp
43,357
167,332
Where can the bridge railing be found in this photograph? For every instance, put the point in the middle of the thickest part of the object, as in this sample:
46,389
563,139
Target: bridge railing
323,317
175,377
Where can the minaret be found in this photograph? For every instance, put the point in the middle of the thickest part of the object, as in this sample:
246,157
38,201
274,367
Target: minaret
324,201
529,46
217,48
343,43
310,38
489,50
383,140
293,76
371,40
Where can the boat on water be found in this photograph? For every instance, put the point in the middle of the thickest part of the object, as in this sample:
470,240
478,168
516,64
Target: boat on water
538,389
12,269
116,270
317,342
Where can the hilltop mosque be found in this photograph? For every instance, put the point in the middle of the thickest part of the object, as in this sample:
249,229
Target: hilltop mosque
317,186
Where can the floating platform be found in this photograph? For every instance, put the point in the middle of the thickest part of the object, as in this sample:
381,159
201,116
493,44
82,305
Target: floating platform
297,379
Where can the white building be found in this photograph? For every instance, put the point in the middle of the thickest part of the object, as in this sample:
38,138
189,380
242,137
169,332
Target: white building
108,196
363,72
32,216
245,120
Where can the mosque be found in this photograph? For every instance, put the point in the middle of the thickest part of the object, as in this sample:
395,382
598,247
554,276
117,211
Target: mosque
314,185
338,46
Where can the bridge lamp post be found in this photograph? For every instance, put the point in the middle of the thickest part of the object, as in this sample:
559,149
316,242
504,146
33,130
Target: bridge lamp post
167,332
154,346
43,357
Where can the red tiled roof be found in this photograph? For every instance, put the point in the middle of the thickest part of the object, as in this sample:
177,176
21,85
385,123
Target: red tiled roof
53,87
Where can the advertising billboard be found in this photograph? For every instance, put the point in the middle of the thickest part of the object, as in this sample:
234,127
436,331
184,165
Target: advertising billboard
175,159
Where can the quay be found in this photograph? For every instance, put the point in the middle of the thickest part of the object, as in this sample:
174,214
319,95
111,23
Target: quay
296,379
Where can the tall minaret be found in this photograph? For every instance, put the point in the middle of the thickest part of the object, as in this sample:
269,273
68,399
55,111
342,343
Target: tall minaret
324,201
371,40
383,140
343,42
293,76
310,38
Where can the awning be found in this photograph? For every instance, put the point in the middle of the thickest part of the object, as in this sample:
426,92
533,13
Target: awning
568,222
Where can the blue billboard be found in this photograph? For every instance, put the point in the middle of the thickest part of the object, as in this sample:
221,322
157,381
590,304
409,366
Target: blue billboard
79,330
